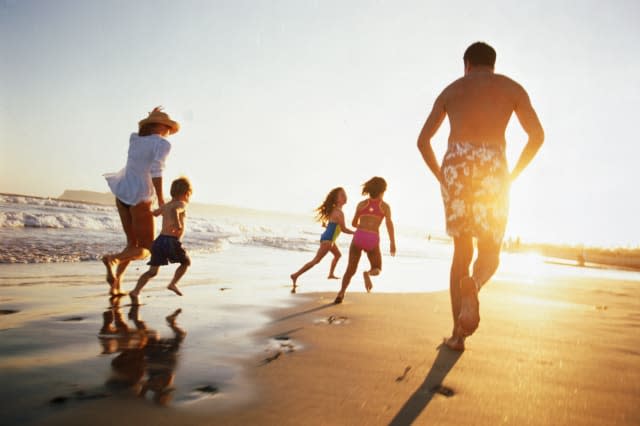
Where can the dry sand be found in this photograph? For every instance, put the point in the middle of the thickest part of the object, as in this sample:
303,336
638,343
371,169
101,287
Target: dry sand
563,351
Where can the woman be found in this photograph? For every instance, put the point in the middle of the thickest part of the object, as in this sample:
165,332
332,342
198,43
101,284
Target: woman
134,188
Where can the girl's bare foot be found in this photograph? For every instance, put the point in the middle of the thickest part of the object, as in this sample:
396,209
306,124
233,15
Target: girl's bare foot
367,281
469,317
332,277
174,289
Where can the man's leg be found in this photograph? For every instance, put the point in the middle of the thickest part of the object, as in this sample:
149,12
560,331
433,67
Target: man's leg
462,256
487,262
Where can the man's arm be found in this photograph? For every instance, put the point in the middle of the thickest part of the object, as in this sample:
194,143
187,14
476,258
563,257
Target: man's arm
531,125
429,129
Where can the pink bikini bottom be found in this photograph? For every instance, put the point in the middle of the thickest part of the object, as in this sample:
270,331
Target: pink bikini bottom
365,240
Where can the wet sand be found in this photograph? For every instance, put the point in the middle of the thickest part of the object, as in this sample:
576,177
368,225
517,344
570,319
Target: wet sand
552,351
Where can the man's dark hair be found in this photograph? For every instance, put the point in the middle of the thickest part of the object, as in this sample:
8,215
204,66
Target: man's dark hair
480,53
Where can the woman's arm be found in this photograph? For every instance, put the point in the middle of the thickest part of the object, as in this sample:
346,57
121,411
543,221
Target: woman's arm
157,184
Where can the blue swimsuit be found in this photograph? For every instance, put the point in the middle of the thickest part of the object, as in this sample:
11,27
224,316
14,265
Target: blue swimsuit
331,233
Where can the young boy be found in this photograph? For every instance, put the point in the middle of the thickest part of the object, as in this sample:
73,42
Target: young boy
167,247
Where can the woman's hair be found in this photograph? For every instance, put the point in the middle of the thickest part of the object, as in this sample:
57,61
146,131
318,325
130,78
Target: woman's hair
374,187
180,186
152,129
324,210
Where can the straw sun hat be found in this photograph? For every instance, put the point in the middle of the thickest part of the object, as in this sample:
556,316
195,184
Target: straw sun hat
157,116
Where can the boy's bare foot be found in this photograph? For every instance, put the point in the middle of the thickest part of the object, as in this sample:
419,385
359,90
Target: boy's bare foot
109,264
367,281
455,343
469,317
174,289
332,277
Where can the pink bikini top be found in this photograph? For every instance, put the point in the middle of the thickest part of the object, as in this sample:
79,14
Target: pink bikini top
372,208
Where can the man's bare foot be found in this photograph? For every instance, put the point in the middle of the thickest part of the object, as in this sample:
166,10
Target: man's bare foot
469,317
174,288
455,343
339,298
332,277
109,264
367,281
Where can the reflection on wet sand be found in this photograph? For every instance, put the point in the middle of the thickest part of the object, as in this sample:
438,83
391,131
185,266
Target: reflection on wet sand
145,362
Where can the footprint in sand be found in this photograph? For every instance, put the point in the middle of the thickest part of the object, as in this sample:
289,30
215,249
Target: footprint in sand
404,374
333,319
8,311
280,345
72,319
443,390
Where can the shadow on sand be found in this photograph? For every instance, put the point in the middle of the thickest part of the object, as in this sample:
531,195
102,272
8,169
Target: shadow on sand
308,311
432,385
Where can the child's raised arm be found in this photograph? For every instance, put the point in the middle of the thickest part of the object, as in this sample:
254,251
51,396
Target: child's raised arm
340,220
390,229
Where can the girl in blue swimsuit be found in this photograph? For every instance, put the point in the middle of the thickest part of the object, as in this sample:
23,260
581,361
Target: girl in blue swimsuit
330,215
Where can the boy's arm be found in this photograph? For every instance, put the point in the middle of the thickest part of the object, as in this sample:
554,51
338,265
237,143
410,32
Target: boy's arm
342,225
390,229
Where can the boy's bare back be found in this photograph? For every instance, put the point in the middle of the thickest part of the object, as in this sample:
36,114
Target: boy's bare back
173,215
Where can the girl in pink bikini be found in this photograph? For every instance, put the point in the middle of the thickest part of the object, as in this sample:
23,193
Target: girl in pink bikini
367,220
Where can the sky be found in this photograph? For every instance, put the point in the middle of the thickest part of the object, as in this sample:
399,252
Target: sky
280,101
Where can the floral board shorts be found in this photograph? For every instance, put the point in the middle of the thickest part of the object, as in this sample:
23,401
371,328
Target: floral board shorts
475,190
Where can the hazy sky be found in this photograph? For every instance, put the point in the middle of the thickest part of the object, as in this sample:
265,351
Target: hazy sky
280,101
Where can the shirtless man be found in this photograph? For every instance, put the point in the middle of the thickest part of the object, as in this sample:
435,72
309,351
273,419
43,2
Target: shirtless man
167,247
474,177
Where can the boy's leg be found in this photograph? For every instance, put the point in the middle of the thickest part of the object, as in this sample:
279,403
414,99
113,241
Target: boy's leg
354,257
176,277
142,281
336,257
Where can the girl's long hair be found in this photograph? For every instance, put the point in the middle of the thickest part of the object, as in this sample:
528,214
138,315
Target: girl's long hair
324,210
374,187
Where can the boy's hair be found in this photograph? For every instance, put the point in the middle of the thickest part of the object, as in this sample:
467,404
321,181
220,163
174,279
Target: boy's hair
480,53
374,187
180,186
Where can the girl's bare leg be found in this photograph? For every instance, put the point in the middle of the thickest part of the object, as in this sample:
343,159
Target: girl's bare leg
336,257
375,260
354,258
325,246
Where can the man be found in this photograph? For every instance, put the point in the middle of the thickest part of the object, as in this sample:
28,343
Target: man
474,178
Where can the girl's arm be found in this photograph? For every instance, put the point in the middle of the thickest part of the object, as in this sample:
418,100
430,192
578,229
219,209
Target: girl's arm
340,220
390,229
360,205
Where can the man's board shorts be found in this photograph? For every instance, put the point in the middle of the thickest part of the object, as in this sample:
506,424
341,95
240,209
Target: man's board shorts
167,248
475,190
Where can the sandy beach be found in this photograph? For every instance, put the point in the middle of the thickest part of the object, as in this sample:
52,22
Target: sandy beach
560,350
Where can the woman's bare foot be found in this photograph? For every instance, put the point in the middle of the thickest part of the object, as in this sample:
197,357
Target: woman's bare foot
109,264
332,277
367,281
469,317
174,288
